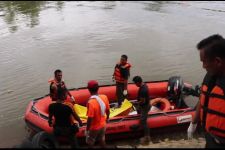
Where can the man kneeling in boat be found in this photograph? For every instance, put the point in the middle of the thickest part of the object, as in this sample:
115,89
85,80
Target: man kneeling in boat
143,106
98,114
58,86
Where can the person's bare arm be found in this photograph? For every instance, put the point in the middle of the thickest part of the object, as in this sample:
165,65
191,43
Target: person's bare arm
68,92
76,117
142,100
125,84
197,113
50,118
70,95
53,88
89,121
107,113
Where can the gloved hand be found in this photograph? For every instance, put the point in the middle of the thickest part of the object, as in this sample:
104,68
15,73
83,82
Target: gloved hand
191,130
72,99
125,92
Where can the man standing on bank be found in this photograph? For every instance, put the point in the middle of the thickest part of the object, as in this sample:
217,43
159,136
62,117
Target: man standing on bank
121,75
64,124
210,109
98,114
143,106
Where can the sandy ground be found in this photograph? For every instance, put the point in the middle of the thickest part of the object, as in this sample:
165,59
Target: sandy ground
176,140
168,143
164,141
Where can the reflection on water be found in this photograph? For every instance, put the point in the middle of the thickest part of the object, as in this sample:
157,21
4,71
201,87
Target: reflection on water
217,10
11,11
59,5
109,5
154,6
98,4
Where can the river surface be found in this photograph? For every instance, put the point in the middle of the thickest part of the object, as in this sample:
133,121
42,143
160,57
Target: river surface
85,39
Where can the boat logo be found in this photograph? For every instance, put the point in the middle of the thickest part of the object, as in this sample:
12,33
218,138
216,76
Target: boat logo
186,118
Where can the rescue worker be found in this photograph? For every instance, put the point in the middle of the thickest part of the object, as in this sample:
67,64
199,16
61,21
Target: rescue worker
98,114
64,124
121,75
58,87
210,109
143,106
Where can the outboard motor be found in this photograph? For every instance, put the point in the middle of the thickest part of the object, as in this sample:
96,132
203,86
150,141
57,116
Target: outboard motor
191,91
175,88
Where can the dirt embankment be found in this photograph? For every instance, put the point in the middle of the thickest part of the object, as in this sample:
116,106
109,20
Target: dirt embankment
164,141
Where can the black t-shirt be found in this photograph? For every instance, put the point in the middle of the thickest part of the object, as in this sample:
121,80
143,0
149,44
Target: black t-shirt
143,93
62,114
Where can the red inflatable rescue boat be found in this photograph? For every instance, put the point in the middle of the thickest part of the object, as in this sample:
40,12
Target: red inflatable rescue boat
167,95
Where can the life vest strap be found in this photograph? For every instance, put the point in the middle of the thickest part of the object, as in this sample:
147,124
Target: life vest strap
216,129
214,95
213,112
210,84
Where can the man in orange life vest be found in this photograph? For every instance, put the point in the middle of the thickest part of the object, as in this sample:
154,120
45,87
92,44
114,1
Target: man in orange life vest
211,107
121,75
58,88
98,114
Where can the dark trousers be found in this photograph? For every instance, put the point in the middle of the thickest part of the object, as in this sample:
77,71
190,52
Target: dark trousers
119,92
211,143
143,111
67,132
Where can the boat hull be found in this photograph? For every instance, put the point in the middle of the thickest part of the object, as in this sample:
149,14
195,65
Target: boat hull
36,115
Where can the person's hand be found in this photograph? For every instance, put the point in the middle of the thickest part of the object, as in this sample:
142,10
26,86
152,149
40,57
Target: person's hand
125,92
72,99
191,130
136,102
142,101
80,123
50,123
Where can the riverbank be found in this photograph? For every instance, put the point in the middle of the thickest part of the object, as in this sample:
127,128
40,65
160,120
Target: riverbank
176,140
168,141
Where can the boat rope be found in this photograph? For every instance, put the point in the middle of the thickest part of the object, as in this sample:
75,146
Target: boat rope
37,111
175,114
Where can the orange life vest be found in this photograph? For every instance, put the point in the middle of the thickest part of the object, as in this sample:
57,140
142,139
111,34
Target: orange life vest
60,92
212,100
117,73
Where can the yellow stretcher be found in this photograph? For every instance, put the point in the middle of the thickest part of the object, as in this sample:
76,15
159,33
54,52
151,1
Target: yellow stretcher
123,110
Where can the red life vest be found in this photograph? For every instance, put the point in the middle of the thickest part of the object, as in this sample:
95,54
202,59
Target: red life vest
60,92
212,101
117,73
